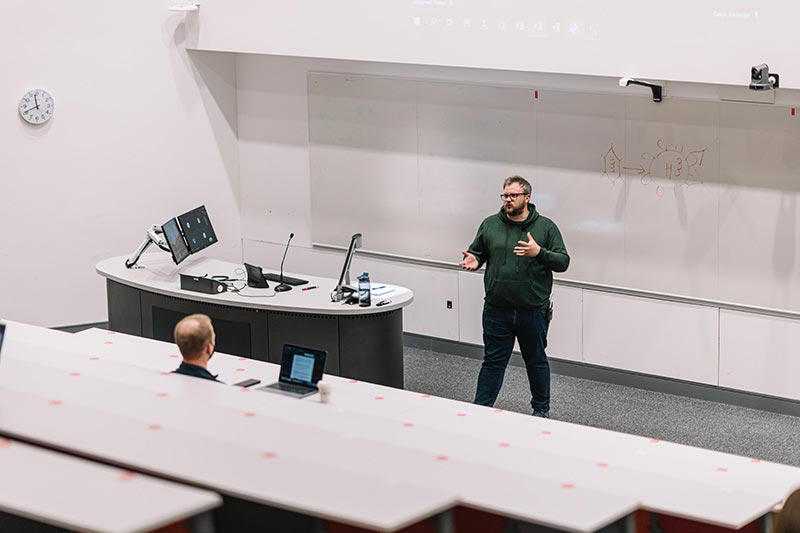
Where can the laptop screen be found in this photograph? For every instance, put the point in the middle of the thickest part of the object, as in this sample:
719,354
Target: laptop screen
302,366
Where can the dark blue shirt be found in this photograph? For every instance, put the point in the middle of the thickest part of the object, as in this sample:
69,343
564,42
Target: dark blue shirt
188,369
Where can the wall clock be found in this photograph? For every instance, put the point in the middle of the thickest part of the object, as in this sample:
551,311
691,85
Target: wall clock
36,106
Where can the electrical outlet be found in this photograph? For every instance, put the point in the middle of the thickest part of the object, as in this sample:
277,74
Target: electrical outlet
449,304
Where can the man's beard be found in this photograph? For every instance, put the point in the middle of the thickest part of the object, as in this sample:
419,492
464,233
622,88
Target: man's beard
514,212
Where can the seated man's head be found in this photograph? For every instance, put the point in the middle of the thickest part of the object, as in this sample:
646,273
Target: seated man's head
195,338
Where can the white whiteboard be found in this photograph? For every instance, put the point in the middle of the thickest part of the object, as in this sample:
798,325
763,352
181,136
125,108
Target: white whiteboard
691,198
711,41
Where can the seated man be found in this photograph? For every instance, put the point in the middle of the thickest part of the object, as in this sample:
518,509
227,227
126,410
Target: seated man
195,338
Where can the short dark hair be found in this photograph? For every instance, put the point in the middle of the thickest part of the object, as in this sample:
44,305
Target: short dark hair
192,334
526,186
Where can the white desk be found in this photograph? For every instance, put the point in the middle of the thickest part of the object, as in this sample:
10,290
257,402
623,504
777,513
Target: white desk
151,426
152,440
693,483
373,483
362,342
73,493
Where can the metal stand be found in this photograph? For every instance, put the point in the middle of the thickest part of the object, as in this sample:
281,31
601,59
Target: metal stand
152,237
444,522
342,289
655,526
202,523
766,523
630,523
341,292
283,287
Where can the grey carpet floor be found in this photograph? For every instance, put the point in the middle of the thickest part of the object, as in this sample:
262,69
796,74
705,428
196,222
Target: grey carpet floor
716,426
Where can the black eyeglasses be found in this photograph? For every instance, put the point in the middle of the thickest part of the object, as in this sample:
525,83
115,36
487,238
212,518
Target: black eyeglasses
512,196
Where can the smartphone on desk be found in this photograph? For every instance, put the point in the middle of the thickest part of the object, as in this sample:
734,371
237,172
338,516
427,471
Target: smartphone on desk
247,383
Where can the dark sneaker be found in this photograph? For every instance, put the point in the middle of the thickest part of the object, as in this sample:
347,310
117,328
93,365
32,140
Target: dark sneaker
542,414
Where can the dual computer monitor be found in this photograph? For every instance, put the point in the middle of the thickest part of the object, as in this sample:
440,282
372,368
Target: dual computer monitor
189,233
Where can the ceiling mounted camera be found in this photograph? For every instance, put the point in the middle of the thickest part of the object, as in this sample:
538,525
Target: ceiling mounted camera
761,79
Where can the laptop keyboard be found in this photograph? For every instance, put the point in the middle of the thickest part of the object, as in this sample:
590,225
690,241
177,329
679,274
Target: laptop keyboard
286,279
296,389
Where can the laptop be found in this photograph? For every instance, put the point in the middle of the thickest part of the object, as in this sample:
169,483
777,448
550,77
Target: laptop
301,370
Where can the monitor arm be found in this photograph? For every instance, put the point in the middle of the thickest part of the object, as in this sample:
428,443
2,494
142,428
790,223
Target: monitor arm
152,237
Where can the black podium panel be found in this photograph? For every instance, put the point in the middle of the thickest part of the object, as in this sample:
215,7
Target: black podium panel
367,347
308,330
371,347
232,337
18,524
240,331
124,308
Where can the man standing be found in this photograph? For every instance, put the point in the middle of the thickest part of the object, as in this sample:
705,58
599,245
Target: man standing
521,250
195,338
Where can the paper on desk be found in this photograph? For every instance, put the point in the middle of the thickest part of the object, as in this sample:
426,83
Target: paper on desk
381,292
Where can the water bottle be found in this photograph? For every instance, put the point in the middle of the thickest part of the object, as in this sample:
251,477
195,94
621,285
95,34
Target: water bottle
364,290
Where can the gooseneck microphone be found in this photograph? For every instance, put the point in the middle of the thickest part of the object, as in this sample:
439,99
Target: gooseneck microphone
283,287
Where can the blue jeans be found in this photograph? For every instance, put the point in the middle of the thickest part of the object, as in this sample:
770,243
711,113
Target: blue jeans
500,328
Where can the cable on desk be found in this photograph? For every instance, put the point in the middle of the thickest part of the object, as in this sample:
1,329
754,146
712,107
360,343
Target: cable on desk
238,290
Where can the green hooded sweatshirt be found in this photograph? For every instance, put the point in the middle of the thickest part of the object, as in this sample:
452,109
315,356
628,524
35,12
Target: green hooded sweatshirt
512,281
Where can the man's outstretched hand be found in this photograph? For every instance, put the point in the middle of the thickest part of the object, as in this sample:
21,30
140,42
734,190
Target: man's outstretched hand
470,262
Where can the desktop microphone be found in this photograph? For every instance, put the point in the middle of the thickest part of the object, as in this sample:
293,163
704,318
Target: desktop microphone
283,287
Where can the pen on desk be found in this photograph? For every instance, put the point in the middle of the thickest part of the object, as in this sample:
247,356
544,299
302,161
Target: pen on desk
383,302
309,288
378,287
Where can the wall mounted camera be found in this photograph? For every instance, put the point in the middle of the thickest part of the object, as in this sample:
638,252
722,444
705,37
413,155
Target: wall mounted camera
657,89
761,79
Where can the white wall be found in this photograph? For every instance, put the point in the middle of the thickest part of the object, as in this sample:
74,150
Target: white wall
142,131
432,152
680,341
272,97
713,41
759,354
